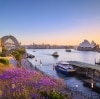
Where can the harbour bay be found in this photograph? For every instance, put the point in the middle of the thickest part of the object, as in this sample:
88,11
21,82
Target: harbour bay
45,56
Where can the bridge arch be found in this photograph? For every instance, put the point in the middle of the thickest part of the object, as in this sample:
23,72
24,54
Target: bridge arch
9,42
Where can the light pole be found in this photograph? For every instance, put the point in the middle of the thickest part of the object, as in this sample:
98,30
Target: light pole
91,90
76,87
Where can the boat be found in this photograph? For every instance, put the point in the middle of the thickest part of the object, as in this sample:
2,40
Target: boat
98,63
30,55
68,50
65,68
55,54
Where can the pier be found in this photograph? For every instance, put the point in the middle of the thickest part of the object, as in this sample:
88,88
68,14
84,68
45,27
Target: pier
86,69
90,72
85,65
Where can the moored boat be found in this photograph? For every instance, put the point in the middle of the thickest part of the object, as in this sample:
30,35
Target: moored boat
55,54
65,68
98,62
68,50
30,55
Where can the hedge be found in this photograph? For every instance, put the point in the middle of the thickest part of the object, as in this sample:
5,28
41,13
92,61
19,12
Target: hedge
4,61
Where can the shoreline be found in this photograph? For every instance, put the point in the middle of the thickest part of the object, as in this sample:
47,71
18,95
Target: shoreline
75,94
28,65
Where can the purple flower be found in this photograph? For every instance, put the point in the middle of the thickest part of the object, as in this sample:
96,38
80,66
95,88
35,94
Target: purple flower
29,81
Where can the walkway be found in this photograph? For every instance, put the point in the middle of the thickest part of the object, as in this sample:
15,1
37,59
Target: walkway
24,63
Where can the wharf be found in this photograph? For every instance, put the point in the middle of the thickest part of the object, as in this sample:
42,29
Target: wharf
90,72
85,65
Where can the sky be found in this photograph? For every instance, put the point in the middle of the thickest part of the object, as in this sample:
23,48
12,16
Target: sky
60,22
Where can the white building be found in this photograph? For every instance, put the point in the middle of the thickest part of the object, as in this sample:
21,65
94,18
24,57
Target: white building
86,45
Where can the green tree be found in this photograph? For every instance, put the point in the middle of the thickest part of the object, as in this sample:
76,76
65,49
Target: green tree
18,54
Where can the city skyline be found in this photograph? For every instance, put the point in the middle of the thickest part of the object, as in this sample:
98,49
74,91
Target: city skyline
60,22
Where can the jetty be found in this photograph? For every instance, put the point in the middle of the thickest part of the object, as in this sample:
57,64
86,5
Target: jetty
90,72
85,65
87,70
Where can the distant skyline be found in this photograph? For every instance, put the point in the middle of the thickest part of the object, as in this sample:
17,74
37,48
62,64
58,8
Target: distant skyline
60,22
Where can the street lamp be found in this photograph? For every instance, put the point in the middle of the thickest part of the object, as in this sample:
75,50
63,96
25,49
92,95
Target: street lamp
92,88
76,87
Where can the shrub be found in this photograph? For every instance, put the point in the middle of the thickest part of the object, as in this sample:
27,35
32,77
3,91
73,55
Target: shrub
52,95
4,61
28,84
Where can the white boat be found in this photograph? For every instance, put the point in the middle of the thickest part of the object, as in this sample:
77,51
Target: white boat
55,54
98,62
65,68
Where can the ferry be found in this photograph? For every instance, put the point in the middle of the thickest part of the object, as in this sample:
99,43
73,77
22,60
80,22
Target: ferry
65,68
55,54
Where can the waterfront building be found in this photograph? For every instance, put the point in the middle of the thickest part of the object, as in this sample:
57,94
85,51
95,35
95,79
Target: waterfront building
87,46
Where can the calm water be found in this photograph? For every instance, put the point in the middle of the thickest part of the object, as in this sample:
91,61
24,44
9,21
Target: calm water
45,55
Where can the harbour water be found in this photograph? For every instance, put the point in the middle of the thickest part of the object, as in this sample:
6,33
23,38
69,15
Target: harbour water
45,57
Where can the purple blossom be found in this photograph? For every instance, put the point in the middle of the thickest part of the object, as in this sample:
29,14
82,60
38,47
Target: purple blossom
25,81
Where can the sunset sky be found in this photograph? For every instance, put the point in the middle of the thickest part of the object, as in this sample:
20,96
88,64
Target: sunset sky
64,22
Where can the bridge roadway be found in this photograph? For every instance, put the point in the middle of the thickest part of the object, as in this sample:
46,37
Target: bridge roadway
85,65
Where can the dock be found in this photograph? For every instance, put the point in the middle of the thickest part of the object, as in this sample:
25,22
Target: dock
90,72
85,65
87,70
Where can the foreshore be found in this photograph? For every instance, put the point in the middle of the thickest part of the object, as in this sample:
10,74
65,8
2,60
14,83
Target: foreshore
73,92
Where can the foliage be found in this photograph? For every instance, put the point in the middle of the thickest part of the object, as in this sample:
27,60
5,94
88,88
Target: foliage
52,95
18,55
4,61
4,50
26,84
22,51
2,54
3,67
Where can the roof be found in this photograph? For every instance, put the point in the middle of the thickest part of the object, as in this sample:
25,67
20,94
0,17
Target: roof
63,62
85,65
87,44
